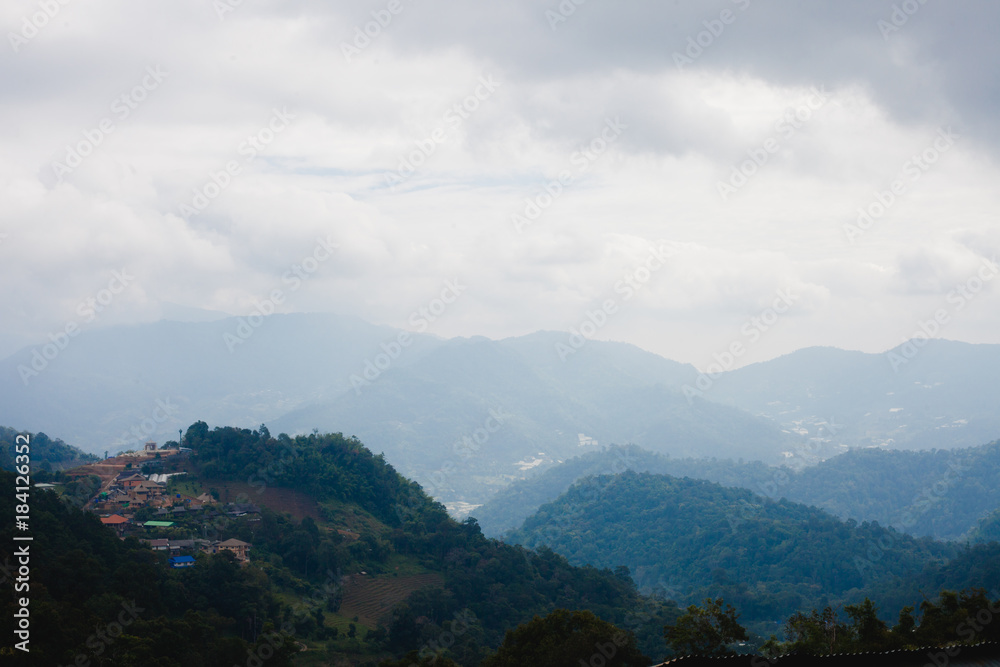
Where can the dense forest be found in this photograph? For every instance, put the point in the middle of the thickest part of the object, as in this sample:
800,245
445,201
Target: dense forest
511,506
938,493
694,539
941,493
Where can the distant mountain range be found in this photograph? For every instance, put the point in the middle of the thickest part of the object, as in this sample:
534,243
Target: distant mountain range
465,417
432,418
944,394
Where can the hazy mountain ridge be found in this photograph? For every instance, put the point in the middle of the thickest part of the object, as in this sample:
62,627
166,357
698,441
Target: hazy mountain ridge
423,402
440,399
106,382
123,385
944,395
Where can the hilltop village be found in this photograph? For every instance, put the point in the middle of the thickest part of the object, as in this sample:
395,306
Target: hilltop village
142,494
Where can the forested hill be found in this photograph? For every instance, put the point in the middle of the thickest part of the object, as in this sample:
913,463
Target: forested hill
942,493
939,493
402,529
364,518
693,539
46,454
512,505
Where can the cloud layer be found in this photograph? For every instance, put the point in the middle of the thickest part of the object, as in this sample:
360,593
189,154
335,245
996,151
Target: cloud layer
845,151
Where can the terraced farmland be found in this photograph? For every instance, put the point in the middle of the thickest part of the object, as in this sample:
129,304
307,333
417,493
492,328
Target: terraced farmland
370,598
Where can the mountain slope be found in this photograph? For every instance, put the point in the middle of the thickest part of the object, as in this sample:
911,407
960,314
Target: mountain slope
987,530
694,539
940,493
394,526
428,404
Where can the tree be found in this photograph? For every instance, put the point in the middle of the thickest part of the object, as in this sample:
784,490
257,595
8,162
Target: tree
706,630
567,638
818,633
869,632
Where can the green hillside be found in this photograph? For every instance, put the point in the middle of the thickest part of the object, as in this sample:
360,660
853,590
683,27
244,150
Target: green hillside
694,539
939,493
355,561
512,505
500,585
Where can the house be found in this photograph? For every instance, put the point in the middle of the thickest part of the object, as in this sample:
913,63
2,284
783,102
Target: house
141,493
236,547
158,524
113,520
173,546
158,545
180,545
131,481
116,521
182,561
151,488
205,499
149,446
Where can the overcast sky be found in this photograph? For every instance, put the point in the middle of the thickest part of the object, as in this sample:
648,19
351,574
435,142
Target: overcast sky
417,147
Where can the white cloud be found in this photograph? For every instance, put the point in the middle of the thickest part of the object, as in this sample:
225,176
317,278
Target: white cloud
356,121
